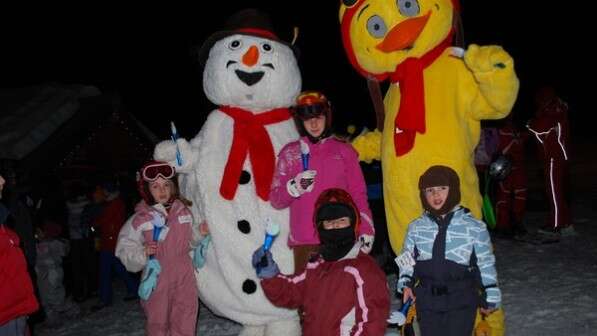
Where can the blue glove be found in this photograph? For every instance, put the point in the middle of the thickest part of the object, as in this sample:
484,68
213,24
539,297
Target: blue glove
200,252
150,281
264,264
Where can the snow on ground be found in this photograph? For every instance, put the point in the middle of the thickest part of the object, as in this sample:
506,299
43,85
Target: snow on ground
547,289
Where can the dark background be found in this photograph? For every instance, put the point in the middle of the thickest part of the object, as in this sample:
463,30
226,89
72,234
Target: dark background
144,53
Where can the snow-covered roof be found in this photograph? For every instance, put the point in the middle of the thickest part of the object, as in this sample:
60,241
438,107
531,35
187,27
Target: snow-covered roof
30,115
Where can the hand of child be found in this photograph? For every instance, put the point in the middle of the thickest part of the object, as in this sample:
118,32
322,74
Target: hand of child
203,228
151,248
407,293
487,311
264,264
302,183
201,251
366,242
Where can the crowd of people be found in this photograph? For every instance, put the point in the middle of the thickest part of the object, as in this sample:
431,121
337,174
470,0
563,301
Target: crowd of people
331,230
66,239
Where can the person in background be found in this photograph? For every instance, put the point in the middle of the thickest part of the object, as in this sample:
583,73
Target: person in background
91,211
51,249
109,223
78,237
16,290
342,290
485,150
551,130
21,216
332,163
511,195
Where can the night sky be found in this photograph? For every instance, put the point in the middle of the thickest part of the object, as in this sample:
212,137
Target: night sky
144,53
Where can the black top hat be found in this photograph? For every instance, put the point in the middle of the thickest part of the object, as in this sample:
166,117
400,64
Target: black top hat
248,21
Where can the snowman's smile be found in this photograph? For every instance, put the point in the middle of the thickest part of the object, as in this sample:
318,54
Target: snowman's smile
249,78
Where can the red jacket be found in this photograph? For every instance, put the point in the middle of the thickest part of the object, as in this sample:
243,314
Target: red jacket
16,290
109,223
350,294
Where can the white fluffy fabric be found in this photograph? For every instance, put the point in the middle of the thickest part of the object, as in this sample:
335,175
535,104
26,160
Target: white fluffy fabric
278,87
228,261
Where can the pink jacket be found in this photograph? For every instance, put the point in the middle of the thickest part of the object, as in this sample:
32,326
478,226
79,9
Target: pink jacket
337,166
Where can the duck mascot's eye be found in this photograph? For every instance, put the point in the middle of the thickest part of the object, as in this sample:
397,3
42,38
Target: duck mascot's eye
376,26
349,3
408,7
235,44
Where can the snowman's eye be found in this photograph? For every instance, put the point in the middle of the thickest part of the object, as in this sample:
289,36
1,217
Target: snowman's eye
408,7
235,44
376,26
266,47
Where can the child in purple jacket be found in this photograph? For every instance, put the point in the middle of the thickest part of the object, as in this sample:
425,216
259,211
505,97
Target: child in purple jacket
316,162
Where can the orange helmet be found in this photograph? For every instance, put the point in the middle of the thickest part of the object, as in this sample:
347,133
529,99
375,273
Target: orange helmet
310,104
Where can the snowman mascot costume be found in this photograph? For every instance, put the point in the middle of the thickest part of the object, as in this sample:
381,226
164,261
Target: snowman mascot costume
227,168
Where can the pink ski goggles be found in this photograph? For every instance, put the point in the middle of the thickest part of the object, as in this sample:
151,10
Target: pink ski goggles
153,171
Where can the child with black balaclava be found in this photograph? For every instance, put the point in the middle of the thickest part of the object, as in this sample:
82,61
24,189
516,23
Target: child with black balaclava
447,259
342,290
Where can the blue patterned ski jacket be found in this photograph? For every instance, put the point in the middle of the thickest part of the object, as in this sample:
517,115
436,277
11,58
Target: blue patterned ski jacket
466,238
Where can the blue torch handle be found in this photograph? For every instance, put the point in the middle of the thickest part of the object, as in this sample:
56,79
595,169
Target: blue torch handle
156,236
267,243
178,156
305,158
405,306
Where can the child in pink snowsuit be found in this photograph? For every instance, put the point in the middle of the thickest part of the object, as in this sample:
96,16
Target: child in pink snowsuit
172,306
330,163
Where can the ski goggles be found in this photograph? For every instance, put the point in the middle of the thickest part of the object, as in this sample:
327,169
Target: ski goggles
153,171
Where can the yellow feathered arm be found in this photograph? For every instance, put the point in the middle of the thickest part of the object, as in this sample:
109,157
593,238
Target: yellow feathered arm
368,146
493,70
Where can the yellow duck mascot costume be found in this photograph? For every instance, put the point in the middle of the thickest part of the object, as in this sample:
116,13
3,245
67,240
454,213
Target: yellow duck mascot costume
433,107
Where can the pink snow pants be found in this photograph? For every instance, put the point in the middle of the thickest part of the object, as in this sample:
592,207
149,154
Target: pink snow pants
172,308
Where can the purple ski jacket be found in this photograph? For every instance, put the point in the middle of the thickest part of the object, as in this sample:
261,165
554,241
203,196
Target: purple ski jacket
337,166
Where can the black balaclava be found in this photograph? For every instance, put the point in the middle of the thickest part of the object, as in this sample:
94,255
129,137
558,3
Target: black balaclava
335,243
437,176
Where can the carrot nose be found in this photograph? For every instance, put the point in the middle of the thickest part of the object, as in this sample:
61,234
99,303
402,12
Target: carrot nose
251,57
404,34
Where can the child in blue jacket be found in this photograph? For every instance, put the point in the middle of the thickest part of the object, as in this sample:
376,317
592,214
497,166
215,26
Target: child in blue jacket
447,260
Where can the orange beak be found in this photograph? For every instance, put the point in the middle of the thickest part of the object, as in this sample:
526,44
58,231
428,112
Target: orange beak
404,34
251,57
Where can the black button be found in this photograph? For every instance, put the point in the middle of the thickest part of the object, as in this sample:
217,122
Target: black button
249,286
243,226
245,177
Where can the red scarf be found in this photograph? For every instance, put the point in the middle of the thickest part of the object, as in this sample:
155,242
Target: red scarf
251,137
411,114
